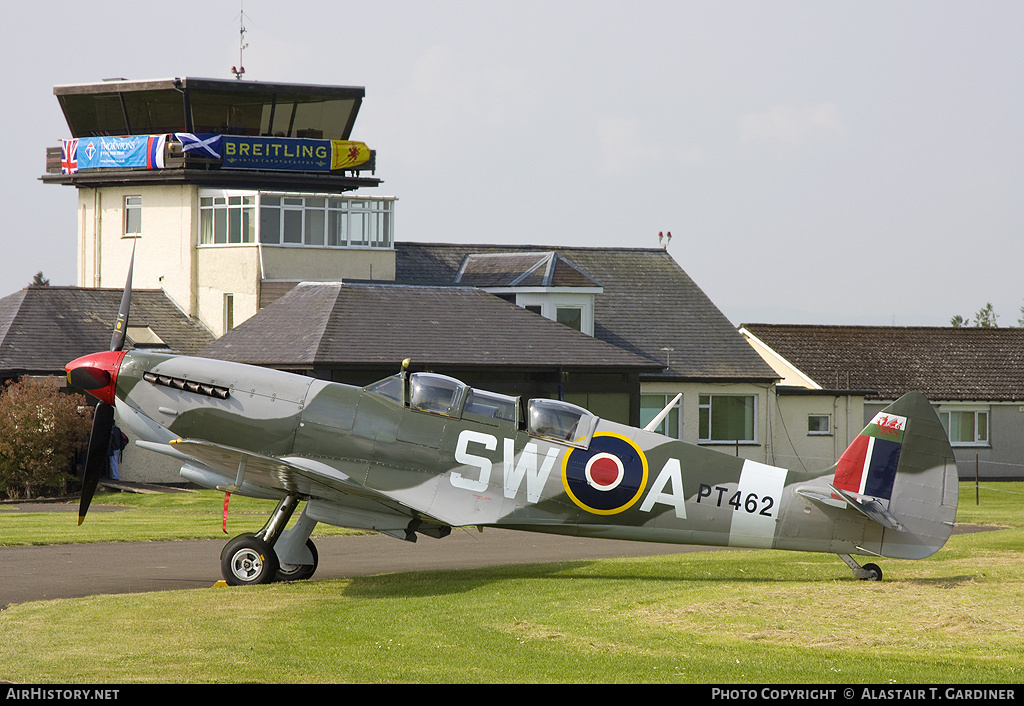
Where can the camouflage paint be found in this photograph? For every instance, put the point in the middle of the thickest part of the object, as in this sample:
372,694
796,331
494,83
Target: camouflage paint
366,460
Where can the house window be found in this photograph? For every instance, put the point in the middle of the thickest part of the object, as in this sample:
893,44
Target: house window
571,316
132,216
727,418
651,406
966,427
227,219
819,424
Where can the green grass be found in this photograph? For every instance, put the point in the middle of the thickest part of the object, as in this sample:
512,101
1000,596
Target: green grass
141,518
718,617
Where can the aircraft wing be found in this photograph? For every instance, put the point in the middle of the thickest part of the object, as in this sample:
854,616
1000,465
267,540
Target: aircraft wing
333,496
266,471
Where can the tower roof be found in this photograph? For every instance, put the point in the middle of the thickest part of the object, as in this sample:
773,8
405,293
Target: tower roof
202,105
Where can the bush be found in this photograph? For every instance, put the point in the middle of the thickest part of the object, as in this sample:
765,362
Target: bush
41,431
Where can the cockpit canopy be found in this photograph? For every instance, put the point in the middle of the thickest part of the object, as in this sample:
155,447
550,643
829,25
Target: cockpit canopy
491,405
554,419
440,394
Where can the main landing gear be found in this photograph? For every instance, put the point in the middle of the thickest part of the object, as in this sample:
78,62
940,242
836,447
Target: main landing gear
273,553
868,572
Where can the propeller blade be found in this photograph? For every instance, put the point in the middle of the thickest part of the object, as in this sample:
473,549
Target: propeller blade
121,326
96,461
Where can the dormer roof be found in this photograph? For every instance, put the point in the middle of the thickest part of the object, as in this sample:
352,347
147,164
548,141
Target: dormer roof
522,270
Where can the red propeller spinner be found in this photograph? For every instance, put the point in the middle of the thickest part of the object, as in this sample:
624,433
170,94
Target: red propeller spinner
96,373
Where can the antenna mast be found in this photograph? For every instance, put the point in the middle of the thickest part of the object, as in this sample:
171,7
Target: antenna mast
240,69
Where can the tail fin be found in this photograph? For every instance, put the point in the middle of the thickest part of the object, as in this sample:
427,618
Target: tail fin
900,472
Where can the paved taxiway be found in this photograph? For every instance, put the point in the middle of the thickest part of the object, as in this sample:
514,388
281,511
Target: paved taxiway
75,570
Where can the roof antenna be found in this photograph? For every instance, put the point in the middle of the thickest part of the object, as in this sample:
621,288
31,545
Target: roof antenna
240,69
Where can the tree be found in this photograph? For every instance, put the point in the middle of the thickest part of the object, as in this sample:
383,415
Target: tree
39,280
986,317
41,430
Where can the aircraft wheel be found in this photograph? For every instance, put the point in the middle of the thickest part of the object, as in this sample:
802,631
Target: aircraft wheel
248,560
874,573
224,551
299,572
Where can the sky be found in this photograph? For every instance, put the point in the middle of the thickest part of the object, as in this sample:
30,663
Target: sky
841,162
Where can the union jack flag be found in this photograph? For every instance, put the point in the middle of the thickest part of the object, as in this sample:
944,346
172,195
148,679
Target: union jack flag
69,156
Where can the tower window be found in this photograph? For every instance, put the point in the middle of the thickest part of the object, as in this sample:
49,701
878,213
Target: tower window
132,216
288,219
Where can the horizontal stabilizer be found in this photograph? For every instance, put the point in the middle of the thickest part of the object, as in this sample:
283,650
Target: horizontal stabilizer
870,508
825,497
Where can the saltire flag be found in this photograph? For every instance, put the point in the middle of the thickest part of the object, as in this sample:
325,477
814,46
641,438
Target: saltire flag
68,156
346,154
868,466
203,144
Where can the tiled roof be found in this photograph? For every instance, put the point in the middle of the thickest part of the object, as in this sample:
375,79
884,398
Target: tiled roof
955,364
43,328
649,307
353,324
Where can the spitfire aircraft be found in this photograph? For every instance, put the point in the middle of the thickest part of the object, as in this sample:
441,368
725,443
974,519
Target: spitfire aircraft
421,453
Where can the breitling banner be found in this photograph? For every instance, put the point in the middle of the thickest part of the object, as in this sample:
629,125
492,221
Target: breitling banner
294,154
235,152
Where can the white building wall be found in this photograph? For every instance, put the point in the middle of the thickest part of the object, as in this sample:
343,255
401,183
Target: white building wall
313,264
800,450
168,255
551,299
163,250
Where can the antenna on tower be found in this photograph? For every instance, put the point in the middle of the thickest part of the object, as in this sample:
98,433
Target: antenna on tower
242,44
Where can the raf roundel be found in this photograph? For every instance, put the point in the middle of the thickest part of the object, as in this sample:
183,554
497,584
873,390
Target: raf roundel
608,477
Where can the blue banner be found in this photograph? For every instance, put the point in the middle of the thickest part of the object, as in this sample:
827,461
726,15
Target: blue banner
144,151
294,154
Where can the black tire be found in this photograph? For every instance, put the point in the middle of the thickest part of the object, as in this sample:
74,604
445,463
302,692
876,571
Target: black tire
248,560
299,572
224,550
876,573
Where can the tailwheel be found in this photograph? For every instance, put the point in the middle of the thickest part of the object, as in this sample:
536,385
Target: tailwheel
868,572
299,572
248,560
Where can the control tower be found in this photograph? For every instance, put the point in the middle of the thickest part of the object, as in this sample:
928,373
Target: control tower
223,187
